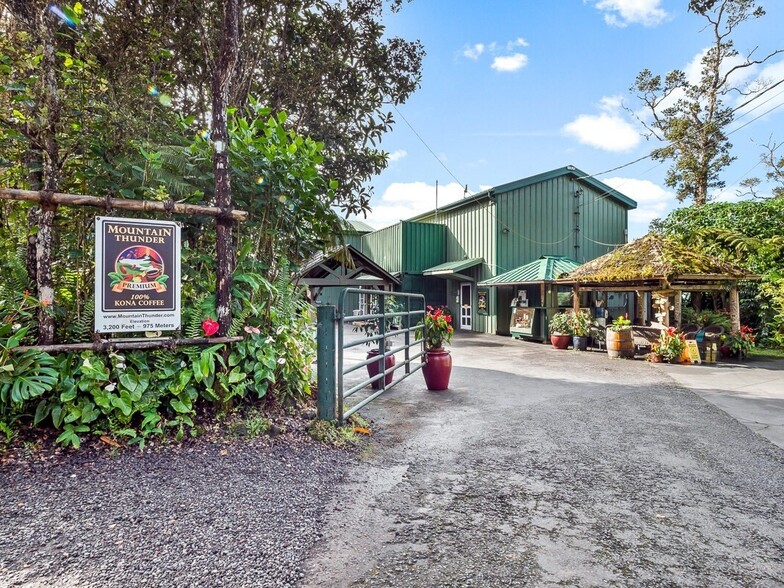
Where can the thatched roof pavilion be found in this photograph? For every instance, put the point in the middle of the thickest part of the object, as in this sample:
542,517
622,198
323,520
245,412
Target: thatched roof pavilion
657,264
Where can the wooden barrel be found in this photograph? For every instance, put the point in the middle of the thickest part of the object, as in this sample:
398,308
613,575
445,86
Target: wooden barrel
620,343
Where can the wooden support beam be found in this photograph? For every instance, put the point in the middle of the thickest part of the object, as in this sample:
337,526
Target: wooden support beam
123,204
678,308
735,309
105,345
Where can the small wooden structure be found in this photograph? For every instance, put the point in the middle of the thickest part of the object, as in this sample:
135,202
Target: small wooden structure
344,267
663,267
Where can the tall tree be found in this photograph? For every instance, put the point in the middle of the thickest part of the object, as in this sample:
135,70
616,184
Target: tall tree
327,63
691,117
223,71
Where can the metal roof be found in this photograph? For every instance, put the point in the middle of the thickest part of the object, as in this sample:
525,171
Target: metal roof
579,176
358,226
451,267
545,269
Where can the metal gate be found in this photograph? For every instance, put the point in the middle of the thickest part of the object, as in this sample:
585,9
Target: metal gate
389,315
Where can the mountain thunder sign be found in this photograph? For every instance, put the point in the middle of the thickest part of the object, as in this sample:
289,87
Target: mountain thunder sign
137,275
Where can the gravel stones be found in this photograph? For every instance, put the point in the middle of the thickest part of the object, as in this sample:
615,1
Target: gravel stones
202,515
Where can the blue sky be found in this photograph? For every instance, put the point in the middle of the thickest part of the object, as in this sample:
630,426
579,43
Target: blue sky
515,88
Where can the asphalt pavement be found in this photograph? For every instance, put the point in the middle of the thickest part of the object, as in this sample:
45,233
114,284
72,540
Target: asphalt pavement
540,467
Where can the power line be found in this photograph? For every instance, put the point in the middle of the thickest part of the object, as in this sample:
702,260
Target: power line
418,136
749,101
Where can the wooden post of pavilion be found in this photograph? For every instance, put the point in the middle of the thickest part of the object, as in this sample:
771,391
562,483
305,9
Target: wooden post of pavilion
735,308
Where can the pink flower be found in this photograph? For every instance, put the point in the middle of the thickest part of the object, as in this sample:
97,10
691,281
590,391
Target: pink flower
210,327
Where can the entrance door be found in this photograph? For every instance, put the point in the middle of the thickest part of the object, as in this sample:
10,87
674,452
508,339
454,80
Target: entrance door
465,306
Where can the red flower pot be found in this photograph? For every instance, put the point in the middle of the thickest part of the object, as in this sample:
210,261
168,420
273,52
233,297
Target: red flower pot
561,341
374,368
437,369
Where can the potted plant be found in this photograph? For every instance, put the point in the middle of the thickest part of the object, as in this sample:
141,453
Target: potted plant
580,323
372,328
437,332
560,330
738,344
619,338
655,355
671,345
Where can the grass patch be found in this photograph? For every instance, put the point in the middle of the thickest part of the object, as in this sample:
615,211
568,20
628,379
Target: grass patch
348,435
762,353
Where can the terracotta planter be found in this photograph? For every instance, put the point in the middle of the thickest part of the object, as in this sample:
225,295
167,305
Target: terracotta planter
437,369
579,342
375,368
560,341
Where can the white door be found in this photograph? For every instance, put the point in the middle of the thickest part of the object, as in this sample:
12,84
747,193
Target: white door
465,305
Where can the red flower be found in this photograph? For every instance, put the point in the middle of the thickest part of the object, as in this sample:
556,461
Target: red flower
210,327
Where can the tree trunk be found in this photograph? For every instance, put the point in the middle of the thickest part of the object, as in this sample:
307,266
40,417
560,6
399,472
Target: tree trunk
221,82
51,177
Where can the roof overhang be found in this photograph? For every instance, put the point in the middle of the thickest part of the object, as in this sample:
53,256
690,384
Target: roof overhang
450,270
545,269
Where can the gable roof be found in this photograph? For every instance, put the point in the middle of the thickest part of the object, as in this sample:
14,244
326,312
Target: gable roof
545,269
578,175
354,264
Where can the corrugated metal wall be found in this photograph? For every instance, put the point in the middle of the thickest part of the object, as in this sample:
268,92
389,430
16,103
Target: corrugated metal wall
385,247
423,246
540,220
471,232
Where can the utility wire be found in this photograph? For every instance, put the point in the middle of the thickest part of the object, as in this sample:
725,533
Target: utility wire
418,136
746,103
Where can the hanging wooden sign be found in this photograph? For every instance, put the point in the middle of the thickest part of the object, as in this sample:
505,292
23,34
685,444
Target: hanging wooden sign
137,275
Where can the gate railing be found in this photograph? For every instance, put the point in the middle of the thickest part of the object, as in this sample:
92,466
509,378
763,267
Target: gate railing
391,315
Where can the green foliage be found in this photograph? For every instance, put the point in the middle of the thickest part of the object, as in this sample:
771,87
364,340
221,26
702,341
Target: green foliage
560,324
748,233
690,117
621,323
580,322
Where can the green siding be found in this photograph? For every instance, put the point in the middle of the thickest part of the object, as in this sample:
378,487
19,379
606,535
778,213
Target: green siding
423,246
540,220
385,247
471,232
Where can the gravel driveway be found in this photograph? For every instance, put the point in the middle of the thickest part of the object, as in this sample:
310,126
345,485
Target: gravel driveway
555,468
537,468
210,515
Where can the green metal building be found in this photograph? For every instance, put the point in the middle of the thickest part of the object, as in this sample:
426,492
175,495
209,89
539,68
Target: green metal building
445,253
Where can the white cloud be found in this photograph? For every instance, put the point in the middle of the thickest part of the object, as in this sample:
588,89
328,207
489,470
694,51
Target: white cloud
608,131
620,13
397,155
474,51
518,42
653,201
401,201
508,63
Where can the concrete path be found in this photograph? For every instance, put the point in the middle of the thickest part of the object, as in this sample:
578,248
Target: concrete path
751,392
541,467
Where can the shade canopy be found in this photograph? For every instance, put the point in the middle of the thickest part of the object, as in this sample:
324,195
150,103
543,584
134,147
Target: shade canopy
656,262
545,269
451,269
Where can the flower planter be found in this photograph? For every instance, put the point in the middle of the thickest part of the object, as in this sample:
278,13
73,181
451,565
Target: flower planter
560,341
579,342
437,369
374,368
620,343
